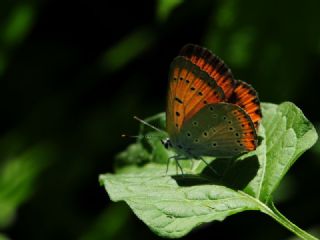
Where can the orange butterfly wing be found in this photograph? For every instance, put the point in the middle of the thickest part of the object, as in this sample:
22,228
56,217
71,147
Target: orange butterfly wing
190,89
247,98
211,64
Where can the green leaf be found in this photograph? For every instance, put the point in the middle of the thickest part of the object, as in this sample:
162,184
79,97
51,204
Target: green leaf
286,134
169,209
172,205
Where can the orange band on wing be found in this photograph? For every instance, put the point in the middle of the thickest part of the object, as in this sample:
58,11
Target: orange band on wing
212,65
247,98
249,135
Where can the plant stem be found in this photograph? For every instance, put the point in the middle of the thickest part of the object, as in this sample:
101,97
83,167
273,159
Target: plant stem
276,215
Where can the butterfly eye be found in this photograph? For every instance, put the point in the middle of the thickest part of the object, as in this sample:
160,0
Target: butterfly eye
200,93
214,144
205,102
237,135
195,123
177,114
188,134
192,89
231,129
187,81
205,134
196,140
230,122
211,108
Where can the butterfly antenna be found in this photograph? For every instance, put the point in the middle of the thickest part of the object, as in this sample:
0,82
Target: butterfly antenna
147,124
129,136
140,136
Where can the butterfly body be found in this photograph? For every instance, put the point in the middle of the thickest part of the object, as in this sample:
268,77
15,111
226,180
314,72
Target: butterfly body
209,113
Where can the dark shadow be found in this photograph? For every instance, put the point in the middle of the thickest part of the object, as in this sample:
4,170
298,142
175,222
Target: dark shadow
260,139
240,172
230,172
187,180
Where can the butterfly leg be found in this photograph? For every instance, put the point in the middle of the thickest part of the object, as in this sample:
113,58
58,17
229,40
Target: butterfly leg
176,158
214,171
192,164
177,169
178,164
168,161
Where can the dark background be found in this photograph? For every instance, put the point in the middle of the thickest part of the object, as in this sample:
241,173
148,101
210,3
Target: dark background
73,73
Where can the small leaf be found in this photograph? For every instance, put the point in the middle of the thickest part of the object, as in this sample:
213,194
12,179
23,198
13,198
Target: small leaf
135,154
148,147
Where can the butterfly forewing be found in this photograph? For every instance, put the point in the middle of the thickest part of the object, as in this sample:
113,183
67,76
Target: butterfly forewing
211,64
220,130
190,89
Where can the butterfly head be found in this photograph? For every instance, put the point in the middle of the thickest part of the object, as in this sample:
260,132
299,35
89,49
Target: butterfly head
166,143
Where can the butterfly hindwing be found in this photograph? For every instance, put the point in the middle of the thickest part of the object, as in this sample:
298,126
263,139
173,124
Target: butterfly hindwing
190,89
247,98
211,64
220,130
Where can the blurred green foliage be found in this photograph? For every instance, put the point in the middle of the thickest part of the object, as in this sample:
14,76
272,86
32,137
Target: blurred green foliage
3,237
116,216
18,180
127,49
73,75
165,7
13,30
18,25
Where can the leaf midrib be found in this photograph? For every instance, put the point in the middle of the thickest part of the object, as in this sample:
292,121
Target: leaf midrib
268,149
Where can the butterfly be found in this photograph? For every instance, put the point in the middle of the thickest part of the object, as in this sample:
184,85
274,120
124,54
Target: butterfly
209,113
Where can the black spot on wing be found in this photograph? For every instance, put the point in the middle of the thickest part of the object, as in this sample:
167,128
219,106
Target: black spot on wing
178,100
